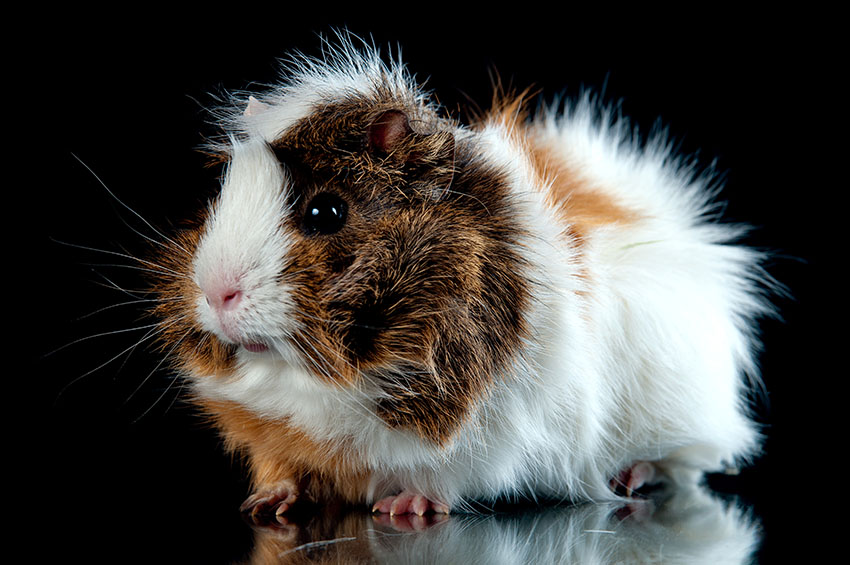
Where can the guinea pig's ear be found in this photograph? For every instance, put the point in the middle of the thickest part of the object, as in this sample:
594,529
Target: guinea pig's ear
427,156
392,136
389,131
254,107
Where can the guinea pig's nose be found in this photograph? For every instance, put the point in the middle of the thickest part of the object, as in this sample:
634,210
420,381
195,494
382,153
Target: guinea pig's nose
224,299
231,299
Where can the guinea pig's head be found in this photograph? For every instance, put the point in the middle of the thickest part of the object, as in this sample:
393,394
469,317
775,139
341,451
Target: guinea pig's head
367,242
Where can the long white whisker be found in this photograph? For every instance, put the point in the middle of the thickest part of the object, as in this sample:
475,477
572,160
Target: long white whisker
350,394
449,191
347,392
121,202
164,326
144,338
127,303
154,370
312,359
111,284
102,334
160,270
154,267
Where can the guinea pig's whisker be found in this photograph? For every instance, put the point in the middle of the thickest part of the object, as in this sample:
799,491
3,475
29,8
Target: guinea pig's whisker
152,267
201,343
348,393
139,216
153,330
326,371
152,372
450,191
110,284
313,361
101,334
127,303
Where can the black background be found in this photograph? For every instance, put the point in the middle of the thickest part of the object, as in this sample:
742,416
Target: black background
111,461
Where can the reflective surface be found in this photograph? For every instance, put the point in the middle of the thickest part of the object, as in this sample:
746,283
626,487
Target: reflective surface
687,526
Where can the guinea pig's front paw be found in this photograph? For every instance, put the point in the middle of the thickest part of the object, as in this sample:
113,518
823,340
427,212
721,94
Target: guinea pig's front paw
631,479
270,502
408,503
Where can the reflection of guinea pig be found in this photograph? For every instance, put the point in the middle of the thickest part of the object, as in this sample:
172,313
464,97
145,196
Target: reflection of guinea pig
388,307
682,526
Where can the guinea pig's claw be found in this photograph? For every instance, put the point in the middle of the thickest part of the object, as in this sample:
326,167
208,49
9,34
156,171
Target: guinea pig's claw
272,502
408,503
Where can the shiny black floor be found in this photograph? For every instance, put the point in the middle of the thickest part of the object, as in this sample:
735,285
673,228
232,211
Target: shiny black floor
689,526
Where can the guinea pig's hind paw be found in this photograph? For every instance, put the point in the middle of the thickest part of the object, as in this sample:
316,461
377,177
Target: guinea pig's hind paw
631,479
408,503
271,502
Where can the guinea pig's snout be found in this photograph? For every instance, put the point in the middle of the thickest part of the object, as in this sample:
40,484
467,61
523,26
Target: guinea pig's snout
226,304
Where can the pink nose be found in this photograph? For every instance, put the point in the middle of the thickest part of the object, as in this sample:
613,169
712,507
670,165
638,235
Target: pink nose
226,299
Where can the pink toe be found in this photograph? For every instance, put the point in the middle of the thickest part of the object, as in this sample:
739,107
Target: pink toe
439,508
641,474
633,478
383,505
401,504
419,505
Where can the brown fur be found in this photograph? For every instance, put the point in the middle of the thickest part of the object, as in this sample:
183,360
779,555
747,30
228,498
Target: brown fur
429,296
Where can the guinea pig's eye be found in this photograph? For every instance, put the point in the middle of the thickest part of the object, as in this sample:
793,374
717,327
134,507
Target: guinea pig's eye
325,214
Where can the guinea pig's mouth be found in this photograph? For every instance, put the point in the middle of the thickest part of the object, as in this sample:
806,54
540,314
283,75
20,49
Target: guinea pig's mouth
256,347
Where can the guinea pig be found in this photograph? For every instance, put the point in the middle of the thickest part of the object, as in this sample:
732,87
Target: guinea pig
389,308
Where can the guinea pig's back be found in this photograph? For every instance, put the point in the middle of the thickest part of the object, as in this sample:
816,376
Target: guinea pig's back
652,323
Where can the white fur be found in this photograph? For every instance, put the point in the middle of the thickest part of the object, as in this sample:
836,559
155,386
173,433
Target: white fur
641,345
311,83
244,246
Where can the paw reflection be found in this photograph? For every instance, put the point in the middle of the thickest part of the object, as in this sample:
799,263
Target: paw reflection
685,526
409,522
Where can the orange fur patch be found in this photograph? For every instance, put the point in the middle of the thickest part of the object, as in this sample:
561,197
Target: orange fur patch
582,205
277,451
